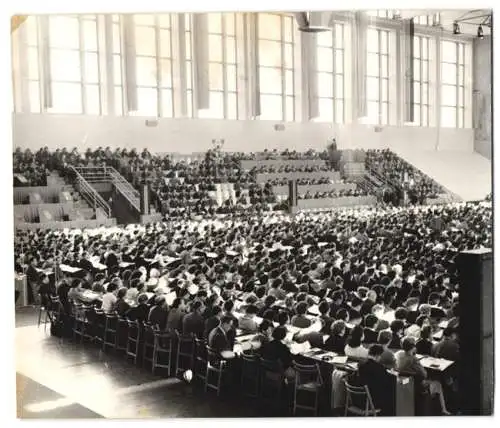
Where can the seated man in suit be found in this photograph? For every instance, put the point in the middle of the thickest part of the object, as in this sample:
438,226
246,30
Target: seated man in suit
218,338
276,350
370,331
141,311
380,383
193,323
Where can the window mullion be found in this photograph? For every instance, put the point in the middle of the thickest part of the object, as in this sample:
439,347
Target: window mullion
83,76
225,112
283,71
159,95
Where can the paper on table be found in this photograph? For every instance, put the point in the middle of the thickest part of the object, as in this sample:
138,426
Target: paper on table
339,359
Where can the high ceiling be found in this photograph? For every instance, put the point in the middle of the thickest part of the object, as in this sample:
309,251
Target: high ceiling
469,20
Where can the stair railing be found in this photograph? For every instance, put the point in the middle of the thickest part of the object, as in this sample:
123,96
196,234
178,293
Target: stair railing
88,193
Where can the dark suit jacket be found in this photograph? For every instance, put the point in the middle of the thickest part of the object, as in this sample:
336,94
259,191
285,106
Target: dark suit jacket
218,340
379,382
424,347
447,349
395,343
335,344
193,323
211,323
277,351
121,307
86,265
111,260
138,313
370,335
158,316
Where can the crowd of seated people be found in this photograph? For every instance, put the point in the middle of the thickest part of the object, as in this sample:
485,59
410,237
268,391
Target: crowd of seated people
333,194
31,166
268,169
402,175
303,181
369,277
284,155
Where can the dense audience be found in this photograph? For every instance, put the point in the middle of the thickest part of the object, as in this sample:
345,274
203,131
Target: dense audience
402,176
333,194
344,271
33,167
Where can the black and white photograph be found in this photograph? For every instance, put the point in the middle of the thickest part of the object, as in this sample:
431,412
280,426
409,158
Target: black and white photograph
251,213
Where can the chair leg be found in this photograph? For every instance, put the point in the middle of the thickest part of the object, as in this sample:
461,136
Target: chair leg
39,316
219,382
153,363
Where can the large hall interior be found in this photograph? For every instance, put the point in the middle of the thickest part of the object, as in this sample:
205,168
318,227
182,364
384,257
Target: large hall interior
247,214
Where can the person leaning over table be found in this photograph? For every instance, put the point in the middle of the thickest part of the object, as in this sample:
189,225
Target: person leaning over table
447,347
407,363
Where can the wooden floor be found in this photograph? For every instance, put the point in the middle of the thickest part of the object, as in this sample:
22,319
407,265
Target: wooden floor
59,379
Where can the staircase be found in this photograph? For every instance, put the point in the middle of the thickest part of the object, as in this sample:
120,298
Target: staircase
126,204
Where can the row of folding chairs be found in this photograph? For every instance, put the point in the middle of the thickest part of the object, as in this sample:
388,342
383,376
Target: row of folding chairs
177,354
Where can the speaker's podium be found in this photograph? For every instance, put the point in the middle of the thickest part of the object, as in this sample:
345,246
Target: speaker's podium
476,365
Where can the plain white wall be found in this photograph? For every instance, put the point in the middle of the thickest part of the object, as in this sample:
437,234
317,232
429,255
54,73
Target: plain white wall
195,135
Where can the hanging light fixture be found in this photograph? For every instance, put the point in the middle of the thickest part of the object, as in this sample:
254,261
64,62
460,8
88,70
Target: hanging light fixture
396,14
456,28
480,34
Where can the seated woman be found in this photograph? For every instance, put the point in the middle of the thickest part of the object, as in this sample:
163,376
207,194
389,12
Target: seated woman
353,348
300,320
407,362
337,340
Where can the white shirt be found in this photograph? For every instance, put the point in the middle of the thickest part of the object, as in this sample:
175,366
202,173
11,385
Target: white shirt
359,352
108,301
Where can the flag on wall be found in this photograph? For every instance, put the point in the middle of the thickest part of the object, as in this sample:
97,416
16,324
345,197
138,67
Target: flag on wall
16,21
